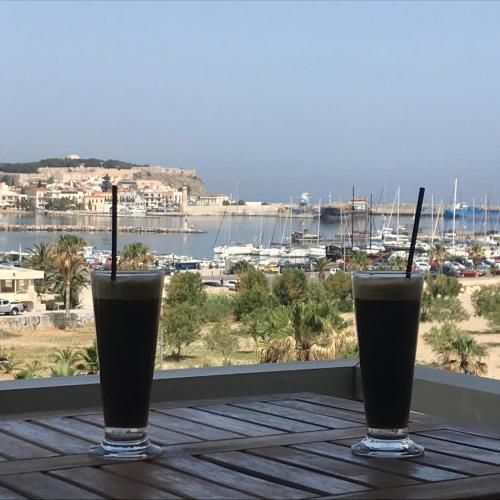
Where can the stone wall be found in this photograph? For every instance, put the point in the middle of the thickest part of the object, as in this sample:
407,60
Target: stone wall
45,319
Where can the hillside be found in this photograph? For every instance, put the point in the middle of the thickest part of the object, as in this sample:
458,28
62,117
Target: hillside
176,177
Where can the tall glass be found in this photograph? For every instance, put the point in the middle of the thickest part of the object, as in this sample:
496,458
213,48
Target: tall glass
387,306
127,313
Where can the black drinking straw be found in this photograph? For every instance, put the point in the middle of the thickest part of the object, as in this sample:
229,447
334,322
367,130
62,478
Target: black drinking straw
416,223
114,229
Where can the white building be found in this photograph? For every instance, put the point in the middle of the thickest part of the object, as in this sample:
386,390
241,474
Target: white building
17,284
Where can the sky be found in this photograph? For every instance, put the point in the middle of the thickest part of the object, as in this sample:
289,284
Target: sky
263,99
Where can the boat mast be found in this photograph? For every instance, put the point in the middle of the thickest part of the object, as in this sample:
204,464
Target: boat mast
397,216
291,220
432,219
485,215
370,215
474,220
454,212
352,220
260,232
319,220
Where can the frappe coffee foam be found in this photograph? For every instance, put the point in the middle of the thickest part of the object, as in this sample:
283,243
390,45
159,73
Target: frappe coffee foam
128,285
387,286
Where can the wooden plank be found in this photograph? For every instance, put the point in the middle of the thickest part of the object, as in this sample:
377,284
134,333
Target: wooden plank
333,401
332,466
399,467
280,423
175,482
261,442
6,494
225,423
156,434
13,447
110,485
317,409
448,462
288,474
303,416
232,478
458,449
73,427
199,431
49,464
472,487
460,437
188,403
40,485
47,438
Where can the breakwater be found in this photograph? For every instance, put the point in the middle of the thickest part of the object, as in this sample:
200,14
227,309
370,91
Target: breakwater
95,229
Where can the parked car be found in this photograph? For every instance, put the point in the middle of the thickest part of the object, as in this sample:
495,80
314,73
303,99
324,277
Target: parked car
11,308
232,284
468,273
215,283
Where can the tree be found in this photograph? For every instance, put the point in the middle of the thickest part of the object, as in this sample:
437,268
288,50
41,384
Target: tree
62,369
265,323
88,360
217,308
254,279
315,331
456,350
242,266
437,255
222,340
180,326
30,371
445,309
68,264
38,257
476,253
442,289
248,301
486,302
321,265
359,260
339,288
135,256
106,184
185,287
290,286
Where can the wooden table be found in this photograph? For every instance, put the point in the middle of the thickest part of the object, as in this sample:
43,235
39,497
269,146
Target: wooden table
276,446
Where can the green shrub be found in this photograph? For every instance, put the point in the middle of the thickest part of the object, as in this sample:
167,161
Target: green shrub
217,308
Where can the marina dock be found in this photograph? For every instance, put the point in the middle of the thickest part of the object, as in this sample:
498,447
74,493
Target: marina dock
95,229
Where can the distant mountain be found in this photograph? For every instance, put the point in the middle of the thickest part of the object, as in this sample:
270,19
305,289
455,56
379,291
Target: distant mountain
33,166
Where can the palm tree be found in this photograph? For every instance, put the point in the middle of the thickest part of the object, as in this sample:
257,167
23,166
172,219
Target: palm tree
311,331
457,350
68,263
476,253
88,360
31,370
135,257
62,369
438,253
321,266
359,260
66,355
38,257
242,266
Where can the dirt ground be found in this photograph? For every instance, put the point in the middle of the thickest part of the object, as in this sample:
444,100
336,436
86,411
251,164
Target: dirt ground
30,345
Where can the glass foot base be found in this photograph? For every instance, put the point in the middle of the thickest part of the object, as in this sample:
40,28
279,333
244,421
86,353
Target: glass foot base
371,446
105,450
126,444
